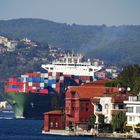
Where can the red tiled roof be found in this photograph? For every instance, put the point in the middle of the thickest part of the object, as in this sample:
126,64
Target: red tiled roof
54,112
91,91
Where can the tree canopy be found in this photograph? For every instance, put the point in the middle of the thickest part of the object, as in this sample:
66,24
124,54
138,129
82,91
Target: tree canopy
130,77
118,121
115,44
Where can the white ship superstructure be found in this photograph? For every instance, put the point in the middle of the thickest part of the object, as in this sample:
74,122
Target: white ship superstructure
72,65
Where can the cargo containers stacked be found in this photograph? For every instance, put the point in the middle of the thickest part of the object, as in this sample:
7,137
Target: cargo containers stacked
43,83
36,82
32,94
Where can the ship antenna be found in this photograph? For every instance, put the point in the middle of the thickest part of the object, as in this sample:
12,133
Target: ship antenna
72,56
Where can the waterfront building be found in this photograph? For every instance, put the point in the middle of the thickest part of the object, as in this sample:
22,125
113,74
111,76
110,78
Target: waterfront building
54,120
133,110
78,105
109,104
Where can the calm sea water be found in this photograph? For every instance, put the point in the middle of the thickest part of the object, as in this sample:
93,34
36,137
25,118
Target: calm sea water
31,130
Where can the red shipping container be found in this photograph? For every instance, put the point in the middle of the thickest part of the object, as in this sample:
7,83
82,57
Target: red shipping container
36,84
33,91
17,84
29,89
34,74
43,91
58,74
50,74
67,75
29,74
13,90
12,80
57,77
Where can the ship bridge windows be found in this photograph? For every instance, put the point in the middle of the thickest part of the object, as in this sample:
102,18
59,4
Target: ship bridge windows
71,64
51,68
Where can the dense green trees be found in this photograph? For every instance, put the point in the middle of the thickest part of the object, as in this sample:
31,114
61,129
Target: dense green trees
130,77
116,44
22,60
113,83
118,121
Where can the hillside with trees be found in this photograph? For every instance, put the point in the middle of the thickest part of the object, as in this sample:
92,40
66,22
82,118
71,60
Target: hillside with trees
115,44
129,77
23,59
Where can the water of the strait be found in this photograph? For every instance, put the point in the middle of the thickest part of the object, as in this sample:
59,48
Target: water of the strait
31,130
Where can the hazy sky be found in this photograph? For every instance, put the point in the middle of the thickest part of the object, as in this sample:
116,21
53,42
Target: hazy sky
109,12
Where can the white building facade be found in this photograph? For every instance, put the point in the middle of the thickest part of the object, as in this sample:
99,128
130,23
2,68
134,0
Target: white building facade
133,110
109,106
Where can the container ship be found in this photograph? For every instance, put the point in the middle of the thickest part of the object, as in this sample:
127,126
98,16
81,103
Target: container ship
32,94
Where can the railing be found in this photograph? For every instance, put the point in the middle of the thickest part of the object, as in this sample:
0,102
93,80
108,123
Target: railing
134,98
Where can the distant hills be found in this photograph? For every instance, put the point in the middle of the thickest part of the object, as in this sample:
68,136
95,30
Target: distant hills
115,44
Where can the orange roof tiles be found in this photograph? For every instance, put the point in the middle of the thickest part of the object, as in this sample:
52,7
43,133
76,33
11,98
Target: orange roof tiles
91,91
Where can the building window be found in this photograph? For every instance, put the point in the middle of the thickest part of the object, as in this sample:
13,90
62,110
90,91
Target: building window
51,124
130,118
116,106
87,106
130,109
138,109
72,94
99,107
87,109
56,124
106,106
82,106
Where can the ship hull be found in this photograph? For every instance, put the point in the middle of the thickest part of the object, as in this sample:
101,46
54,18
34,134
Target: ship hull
31,105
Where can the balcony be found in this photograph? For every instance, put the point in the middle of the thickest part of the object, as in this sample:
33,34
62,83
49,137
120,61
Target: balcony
115,111
119,99
134,98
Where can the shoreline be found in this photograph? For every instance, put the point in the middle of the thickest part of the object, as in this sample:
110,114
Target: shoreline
103,135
